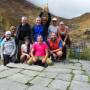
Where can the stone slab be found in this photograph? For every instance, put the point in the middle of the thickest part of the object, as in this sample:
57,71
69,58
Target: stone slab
64,77
59,85
75,85
10,85
20,78
25,66
9,72
30,73
41,81
81,78
39,88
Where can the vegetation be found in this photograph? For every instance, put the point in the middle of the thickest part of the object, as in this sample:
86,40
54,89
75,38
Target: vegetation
85,55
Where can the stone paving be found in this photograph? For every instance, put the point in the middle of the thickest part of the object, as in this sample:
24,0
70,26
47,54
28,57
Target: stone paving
74,75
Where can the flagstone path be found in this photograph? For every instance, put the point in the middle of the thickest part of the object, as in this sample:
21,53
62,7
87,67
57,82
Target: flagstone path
70,76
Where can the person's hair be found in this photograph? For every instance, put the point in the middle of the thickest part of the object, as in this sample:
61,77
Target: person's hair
28,47
12,27
26,38
38,18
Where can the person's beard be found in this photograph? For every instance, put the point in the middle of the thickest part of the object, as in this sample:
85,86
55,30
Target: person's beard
53,39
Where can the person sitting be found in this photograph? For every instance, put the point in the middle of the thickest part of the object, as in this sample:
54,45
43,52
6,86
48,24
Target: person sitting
39,53
25,49
63,33
8,49
55,47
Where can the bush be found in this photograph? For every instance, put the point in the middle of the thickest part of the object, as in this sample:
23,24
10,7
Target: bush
85,55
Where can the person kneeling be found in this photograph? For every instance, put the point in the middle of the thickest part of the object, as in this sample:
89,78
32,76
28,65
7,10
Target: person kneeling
55,47
8,49
39,53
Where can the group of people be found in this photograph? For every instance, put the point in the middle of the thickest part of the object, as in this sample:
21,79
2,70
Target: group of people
43,44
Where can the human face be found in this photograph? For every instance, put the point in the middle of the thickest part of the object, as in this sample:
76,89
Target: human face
38,21
27,42
54,23
53,36
44,20
62,26
24,20
8,36
13,31
39,39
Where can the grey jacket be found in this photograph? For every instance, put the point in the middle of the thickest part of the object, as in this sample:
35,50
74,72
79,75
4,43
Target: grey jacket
8,47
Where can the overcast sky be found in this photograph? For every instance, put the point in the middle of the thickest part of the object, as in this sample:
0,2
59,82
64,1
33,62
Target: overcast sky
65,8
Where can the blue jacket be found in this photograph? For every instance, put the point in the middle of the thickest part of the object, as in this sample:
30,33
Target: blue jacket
38,30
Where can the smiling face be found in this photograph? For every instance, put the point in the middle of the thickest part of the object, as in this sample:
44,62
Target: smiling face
38,20
53,36
39,39
24,20
44,20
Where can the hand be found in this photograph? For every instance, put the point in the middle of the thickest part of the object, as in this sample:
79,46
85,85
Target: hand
51,52
64,43
43,60
11,55
34,59
28,56
2,58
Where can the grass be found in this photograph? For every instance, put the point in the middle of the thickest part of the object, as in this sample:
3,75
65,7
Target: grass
85,55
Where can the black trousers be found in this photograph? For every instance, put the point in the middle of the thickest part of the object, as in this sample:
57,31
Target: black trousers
8,59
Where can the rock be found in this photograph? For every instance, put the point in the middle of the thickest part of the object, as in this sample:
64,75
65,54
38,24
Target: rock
81,78
20,78
58,70
48,75
41,81
78,72
64,77
2,68
25,66
59,85
39,88
75,85
10,85
30,73
9,72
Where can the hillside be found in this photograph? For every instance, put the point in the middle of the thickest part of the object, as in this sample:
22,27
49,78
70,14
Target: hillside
12,10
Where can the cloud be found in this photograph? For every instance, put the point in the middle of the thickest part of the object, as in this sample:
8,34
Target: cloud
65,8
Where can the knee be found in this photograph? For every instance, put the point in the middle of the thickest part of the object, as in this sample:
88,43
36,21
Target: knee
59,53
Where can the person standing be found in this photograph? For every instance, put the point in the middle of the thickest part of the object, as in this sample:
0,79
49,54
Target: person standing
23,30
53,27
63,33
45,20
38,29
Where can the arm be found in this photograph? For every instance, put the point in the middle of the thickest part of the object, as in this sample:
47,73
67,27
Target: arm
17,34
14,49
67,33
2,49
46,56
49,19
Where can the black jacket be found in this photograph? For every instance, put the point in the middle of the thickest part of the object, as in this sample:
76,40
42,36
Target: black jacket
23,31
